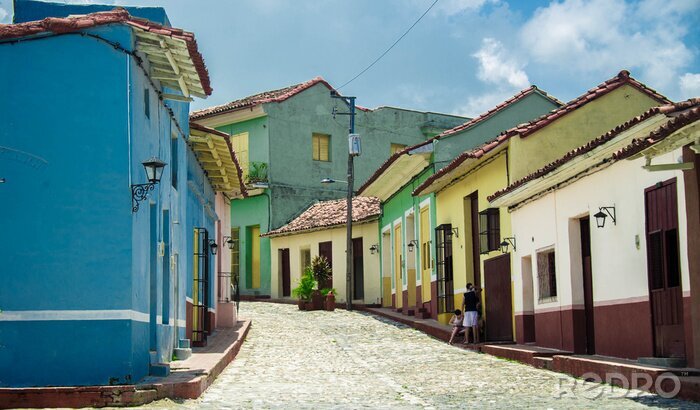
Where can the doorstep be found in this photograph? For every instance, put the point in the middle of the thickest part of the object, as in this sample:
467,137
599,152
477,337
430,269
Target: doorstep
527,354
188,379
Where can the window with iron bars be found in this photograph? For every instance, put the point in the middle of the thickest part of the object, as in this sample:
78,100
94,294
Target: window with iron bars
489,230
546,275
443,262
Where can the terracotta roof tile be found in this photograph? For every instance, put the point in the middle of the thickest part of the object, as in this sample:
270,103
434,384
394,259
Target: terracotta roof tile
117,16
330,214
689,111
622,78
260,98
460,128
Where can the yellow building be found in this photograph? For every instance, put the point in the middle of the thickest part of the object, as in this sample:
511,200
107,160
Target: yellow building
321,230
480,240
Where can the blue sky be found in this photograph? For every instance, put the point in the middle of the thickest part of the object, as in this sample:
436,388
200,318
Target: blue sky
464,57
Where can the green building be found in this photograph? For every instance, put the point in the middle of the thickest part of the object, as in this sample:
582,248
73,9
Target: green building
407,229
287,141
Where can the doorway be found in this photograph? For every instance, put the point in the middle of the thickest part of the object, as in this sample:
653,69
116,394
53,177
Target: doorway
398,266
585,225
663,264
285,272
358,269
499,306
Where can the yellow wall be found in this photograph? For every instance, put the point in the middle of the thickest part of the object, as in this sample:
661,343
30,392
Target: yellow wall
255,256
239,143
310,240
487,179
575,129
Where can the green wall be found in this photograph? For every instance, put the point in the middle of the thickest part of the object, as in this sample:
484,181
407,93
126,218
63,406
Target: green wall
528,108
246,213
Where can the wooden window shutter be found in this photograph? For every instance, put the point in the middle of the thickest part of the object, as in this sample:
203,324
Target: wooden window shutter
324,147
315,143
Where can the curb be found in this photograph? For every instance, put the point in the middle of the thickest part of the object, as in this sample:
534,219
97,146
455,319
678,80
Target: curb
124,395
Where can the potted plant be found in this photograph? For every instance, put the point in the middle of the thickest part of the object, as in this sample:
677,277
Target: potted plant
322,274
328,299
305,289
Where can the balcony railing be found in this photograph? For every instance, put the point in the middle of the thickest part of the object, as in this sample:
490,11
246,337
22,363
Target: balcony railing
228,288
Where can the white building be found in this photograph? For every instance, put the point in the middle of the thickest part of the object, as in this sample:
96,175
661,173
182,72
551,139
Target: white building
619,285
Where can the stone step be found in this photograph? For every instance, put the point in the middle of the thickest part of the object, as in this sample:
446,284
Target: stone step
159,369
543,362
182,353
662,361
153,356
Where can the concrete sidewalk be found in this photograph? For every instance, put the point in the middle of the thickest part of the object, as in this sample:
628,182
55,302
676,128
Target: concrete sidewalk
188,379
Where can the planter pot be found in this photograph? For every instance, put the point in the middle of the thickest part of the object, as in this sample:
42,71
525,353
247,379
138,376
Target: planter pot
304,305
316,300
329,303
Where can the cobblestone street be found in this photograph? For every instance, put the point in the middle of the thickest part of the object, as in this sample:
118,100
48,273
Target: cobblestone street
340,359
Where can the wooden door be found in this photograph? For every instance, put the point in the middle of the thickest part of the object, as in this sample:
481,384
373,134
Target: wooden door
499,307
326,249
398,266
663,264
286,272
585,225
358,287
255,256
474,208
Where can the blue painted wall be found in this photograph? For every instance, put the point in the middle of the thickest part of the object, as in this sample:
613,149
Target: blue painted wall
72,140
31,10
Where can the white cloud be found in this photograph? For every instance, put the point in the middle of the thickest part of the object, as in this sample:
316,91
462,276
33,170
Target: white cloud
690,85
503,74
496,66
604,36
452,7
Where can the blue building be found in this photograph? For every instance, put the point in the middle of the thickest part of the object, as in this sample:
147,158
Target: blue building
97,278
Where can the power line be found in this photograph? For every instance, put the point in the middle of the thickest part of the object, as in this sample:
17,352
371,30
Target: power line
392,46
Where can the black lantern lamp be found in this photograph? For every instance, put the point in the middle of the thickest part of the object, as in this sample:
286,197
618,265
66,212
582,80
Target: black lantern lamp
374,248
510,241
154,170
603,213
411,244
229,242
213,246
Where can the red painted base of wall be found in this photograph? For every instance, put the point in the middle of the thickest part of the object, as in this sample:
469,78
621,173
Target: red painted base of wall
525,328
404,302
188,320
433,300
624,330
690,353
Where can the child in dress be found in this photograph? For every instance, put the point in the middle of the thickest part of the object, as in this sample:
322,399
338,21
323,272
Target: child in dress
456,322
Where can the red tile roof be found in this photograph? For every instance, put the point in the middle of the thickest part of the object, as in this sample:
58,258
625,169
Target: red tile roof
119,15
328,214
689,111
622,78
257,99
460,128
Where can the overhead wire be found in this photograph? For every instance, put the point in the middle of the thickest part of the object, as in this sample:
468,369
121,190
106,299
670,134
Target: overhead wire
392,46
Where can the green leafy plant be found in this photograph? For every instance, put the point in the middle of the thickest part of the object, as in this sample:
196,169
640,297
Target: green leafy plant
257,172
321,269
306,285
326,291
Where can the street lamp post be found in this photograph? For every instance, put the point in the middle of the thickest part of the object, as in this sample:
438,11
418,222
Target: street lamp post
353,150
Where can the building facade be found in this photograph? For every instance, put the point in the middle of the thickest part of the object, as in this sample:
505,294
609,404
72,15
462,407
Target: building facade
97,274
602,263
289,140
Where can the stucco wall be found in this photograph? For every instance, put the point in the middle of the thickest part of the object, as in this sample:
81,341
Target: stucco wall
295,243
619,265
487,179
575,129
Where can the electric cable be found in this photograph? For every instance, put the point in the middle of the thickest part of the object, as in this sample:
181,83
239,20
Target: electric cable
392,46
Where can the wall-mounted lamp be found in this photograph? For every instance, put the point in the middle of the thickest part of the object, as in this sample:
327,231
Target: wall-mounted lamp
154,170
603,213
213,246
374,248
510,241
455,231
229,242
412,244
2,180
